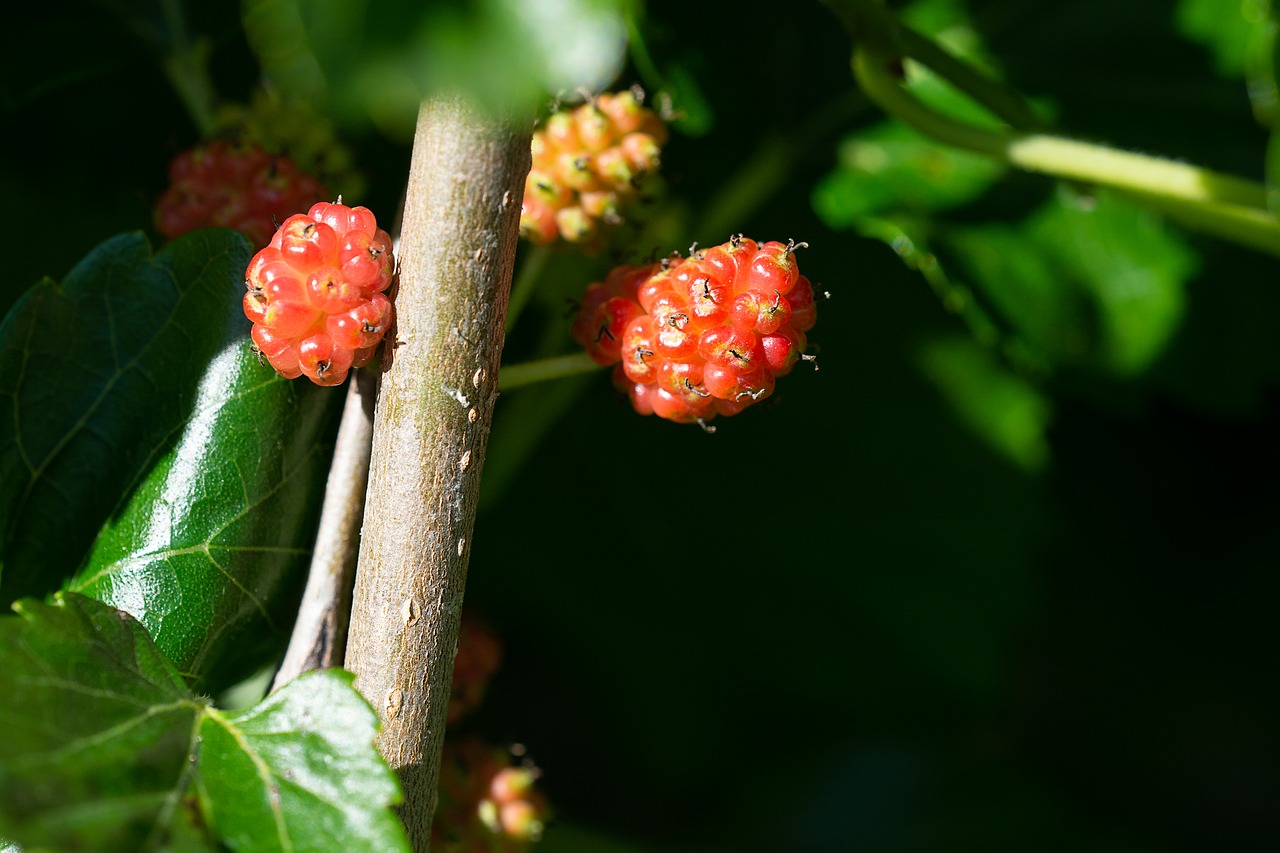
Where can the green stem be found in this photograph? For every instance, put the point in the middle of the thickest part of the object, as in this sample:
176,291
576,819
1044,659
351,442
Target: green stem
1225,205
515,375
526,283
1002,101
186,65
639,51
873,25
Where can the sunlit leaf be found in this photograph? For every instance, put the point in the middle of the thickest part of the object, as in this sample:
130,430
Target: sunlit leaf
106,749
210,552
1130,263
97,375
1227,28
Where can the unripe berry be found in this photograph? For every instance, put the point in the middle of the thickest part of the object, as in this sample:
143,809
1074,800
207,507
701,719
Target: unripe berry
588,165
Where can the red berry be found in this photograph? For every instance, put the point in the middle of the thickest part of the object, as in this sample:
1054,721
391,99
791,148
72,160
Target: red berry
804,313
220,184
774,268
732,347
640,360
690,348
485,804
315,293
760,312
732,260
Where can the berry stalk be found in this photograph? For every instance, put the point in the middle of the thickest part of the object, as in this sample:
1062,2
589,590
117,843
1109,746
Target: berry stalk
434,407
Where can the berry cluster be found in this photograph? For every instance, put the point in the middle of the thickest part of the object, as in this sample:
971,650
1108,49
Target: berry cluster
587,163
315,293
486,805
702,336
296,127
240,186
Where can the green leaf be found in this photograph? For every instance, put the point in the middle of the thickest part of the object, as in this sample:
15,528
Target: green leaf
96,375
98,729
1008,412
890,166
106,749
300,766
1129,262
1096,281
211,550
1227,29
692,113
1048,312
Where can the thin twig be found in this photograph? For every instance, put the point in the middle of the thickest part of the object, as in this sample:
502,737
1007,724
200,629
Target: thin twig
320,633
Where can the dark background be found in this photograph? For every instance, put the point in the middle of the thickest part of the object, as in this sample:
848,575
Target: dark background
846,621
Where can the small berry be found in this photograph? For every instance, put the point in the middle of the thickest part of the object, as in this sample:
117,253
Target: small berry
224,185
702,336
315,293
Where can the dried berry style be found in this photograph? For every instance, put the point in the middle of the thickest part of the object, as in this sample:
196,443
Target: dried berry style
224,185
315,293
588,164
703,336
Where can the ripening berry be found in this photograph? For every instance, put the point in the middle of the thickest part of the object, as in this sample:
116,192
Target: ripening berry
485,804
589,163
703,336
315,293
224,185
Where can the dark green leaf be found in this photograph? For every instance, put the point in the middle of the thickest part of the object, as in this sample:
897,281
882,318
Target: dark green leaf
1005,410
692,113
96,376
1018,279
105,749
210,552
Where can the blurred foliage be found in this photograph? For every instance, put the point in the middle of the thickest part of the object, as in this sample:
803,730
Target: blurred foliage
1026,515
375,61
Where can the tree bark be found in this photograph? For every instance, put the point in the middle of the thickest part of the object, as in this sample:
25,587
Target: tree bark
431,425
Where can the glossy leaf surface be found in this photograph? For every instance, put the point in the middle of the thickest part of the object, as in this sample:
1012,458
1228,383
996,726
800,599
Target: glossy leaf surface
211,550
97,374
